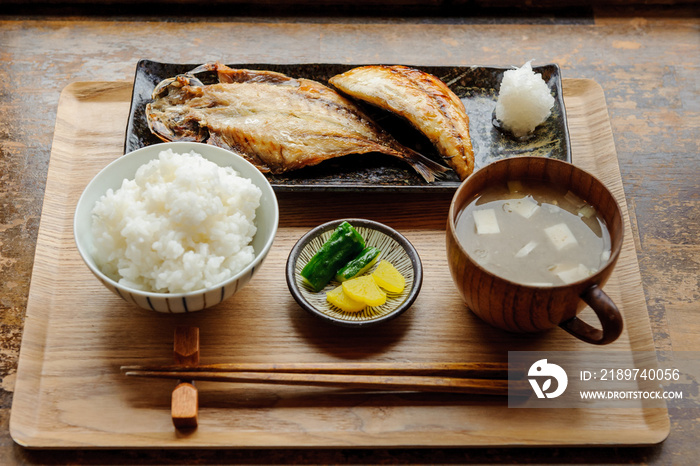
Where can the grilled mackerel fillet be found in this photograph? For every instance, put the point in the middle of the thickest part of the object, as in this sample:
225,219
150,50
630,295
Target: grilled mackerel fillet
422,99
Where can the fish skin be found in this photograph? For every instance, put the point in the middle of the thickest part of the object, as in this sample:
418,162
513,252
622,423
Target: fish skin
276,122
422,99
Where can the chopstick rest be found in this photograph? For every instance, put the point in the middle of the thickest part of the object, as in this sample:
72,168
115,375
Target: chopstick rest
185,397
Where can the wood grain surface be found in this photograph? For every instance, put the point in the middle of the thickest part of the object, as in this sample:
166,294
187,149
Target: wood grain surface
75,330
645,58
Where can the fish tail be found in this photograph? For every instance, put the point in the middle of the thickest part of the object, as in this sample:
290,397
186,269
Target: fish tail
425,167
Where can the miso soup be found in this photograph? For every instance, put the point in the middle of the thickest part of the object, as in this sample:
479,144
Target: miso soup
534,233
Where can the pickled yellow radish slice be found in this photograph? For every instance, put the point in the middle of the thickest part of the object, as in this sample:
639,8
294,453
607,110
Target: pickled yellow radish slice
389,278
364,289
342,301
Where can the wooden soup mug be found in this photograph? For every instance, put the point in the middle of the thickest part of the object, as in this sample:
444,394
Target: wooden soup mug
522,308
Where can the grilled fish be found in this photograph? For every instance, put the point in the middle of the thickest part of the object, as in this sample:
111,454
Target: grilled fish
422,99
276,122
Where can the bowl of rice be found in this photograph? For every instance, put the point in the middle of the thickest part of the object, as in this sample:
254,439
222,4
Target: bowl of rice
176,227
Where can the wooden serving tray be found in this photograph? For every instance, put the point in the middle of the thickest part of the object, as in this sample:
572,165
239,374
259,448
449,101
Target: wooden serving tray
70,392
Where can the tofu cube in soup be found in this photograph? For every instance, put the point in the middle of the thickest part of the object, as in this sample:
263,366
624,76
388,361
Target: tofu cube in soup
486,222
524,207
561,236
572,274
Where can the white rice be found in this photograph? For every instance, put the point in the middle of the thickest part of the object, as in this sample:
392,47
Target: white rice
182,224
524,101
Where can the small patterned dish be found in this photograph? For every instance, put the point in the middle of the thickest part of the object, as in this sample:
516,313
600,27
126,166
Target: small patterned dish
395,248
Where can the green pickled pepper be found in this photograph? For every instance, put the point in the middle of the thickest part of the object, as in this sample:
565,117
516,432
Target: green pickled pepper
344,244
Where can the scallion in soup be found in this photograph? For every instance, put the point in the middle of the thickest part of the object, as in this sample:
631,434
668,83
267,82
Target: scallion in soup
534,233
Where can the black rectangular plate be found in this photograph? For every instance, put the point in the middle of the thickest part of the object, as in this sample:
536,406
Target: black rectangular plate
476,86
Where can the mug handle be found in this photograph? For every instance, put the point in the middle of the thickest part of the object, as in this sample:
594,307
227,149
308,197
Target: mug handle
608,314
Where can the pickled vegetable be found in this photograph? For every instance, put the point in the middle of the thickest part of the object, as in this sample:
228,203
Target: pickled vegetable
389,278
343,245
360,264
365,290
342,301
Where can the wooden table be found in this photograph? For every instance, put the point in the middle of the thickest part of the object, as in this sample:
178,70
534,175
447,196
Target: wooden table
646,60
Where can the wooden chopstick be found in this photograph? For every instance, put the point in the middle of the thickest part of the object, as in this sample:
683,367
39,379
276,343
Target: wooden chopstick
487,370
363,381
474,378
